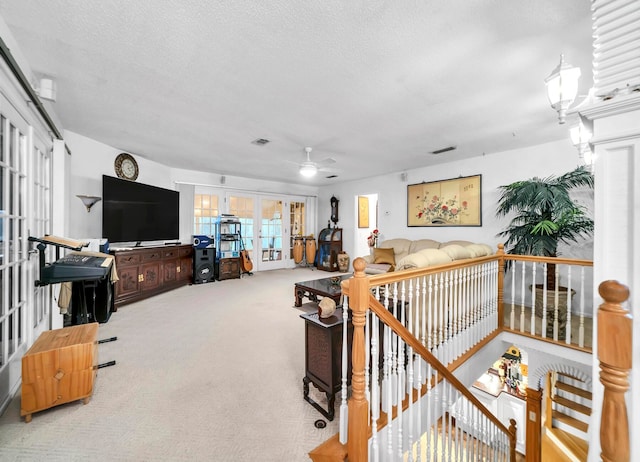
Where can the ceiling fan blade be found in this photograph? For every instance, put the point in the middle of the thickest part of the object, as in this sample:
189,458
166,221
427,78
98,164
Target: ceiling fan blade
326,162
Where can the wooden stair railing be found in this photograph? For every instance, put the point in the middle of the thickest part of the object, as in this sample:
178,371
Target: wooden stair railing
615,355
360,300
358,289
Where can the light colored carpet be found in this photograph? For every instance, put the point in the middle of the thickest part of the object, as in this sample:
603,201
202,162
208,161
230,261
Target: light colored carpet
209,372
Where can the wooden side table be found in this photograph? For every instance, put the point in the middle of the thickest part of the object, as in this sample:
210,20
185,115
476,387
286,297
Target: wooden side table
60,367
323,357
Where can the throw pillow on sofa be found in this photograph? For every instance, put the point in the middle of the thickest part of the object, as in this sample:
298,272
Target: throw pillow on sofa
386,256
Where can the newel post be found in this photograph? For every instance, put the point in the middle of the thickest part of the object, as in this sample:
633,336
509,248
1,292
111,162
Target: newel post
533,426
614,353
501,265
358,430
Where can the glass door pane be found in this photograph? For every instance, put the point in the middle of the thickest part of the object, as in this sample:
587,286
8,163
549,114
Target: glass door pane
273,226
13,244
205,212
244,208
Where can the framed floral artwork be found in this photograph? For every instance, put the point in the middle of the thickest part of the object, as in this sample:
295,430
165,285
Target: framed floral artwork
454,202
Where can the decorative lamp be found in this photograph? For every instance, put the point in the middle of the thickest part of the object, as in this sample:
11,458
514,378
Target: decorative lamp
89,201
308,169
580,137
562,87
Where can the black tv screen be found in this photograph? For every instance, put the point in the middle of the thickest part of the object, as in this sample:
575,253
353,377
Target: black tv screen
138,212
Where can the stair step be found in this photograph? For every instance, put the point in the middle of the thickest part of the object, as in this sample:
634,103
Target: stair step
571,421
572,405
551,451
573,377
575,445
574,390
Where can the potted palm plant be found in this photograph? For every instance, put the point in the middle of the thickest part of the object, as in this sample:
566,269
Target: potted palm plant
545,215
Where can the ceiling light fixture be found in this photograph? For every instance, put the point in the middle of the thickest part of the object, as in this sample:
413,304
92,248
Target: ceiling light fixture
562,87
308,169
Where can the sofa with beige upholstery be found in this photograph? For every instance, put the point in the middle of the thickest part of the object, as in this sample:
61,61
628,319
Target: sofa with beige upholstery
400,254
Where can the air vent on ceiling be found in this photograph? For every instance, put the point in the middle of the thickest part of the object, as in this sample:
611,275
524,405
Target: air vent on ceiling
440,151
260,141
332,176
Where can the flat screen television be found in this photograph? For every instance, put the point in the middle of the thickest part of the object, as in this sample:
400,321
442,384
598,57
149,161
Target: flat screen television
138,212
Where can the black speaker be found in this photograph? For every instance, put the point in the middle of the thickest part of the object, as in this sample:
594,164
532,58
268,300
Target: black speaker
203,261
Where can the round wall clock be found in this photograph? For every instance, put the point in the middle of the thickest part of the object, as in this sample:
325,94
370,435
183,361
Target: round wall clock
126,166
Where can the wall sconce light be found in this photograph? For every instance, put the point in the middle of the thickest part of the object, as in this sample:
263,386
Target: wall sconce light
580,137
562,87
89,201
47,89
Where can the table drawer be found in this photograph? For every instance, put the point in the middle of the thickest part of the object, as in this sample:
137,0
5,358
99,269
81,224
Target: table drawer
127,259
153,255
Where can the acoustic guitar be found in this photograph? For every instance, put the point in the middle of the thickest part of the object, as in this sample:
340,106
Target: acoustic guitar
245,260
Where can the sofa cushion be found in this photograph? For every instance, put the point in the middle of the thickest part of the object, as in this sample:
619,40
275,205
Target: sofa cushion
424,258
421,244
456,252
378,268
436,256
413,260
479,250
400,247
368,258
462,243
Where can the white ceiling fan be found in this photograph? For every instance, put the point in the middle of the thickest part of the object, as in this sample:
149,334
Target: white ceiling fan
308,168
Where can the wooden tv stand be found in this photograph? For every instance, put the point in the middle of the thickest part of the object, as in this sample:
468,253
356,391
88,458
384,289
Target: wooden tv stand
148,271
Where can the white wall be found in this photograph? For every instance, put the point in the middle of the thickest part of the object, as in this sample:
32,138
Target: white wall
91,159
496,169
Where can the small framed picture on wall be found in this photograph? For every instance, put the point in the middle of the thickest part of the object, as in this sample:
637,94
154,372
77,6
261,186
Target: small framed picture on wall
363,212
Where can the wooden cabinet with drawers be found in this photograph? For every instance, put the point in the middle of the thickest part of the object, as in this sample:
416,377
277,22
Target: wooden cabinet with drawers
149,271
227,268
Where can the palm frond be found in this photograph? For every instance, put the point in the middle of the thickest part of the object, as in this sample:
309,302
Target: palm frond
544,213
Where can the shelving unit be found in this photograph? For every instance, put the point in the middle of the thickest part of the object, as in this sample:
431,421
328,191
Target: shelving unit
227,264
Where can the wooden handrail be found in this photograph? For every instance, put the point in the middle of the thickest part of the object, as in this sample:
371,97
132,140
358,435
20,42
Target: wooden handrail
554,260
615,355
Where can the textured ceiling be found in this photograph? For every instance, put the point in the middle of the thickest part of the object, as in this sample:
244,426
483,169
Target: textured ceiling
376,85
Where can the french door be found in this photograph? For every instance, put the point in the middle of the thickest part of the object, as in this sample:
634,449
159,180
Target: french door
25,208
265,229
273,233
